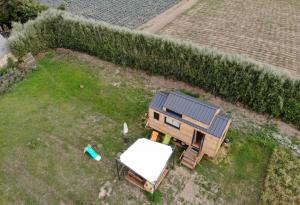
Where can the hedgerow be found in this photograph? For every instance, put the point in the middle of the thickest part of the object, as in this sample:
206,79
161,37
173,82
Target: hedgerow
282,184
232,77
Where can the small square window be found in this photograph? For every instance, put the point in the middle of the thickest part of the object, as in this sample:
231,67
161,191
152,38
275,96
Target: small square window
156,116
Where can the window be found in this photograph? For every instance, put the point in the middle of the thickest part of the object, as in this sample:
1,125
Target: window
174,113
156,116
172,122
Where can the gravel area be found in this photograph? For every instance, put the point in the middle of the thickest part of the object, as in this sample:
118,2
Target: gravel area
128,13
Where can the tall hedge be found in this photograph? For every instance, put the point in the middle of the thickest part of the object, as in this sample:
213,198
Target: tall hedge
232,77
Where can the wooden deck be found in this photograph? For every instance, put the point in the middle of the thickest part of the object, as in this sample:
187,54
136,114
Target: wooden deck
144,184
161,177
136,180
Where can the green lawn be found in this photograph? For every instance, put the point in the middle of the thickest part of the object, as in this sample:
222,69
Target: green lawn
241,174
47,119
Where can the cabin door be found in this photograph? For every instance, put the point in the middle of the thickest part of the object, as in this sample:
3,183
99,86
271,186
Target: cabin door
198,140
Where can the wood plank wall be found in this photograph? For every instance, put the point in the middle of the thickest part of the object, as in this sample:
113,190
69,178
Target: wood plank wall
211,143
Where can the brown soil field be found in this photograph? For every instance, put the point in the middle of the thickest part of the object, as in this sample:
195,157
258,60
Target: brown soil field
267,31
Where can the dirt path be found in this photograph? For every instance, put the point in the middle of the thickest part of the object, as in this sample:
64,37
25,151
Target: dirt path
166,17
241,116
186,187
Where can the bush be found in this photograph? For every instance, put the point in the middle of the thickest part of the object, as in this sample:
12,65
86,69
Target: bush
19,10
62,6
232,77
282,184
11,64
3,70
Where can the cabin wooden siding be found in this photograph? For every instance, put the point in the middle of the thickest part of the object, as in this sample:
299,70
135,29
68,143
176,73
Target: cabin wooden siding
185,133
211,143
223,136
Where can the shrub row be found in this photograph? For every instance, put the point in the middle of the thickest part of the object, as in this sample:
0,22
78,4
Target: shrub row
282,184
12,74
232,77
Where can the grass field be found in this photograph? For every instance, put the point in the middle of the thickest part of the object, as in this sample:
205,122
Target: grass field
244,169
47,119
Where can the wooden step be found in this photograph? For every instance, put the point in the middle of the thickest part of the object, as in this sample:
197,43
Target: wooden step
187,164
191,161
191,154
191,158
193,150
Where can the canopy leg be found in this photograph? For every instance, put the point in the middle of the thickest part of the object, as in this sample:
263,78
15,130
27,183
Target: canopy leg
117,164
173,157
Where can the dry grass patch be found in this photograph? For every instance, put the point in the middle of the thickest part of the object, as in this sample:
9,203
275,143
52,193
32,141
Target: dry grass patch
282,185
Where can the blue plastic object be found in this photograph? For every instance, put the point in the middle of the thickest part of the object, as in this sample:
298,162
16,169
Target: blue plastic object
89,149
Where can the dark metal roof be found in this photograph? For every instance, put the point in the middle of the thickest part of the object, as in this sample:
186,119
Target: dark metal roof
191,107
219,122
159,100
218,125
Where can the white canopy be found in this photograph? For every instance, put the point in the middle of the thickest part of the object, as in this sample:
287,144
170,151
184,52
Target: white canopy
147,158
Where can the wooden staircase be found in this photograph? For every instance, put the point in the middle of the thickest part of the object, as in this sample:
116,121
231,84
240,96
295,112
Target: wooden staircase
190,157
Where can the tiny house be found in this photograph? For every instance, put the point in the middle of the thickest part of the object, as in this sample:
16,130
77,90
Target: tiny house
199,125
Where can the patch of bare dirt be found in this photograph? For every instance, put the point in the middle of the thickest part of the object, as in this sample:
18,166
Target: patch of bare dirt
188,187
131,195
168,16
105,190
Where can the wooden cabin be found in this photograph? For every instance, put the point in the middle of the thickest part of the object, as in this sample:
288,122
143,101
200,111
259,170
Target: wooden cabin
199,125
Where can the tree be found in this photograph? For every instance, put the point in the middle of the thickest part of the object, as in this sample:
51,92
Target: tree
19,11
